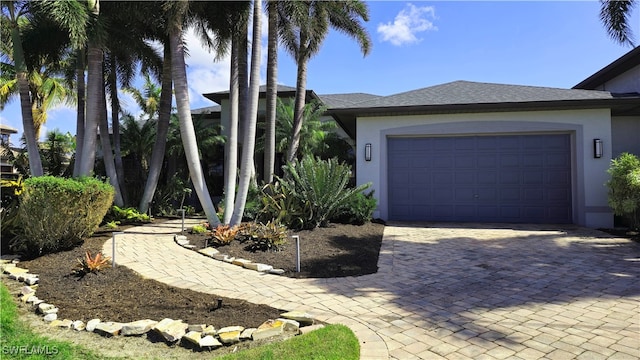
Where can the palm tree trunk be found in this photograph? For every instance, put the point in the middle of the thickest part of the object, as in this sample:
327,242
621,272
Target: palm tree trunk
35,162
187,132
94,83
231,145
164,117
80,84
251,119
115,126
272,95
298,112
107,151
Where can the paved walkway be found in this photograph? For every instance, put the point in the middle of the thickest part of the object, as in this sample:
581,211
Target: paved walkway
447,291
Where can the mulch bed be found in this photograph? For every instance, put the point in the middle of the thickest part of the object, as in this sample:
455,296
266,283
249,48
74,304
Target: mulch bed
119,294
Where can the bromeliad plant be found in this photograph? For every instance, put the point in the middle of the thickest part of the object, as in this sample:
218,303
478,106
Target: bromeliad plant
263,237
224,234
91,264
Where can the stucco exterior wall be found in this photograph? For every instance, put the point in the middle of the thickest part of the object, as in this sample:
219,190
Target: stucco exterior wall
625,132
588,174
627,82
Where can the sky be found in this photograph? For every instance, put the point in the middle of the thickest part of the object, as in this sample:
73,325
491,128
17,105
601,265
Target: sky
419,44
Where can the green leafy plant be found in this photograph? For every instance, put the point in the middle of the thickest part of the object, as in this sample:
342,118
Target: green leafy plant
10,192
263,237
624,188
199,229
59,213
310,193
126,215
358,210
91,264
112,224
224,234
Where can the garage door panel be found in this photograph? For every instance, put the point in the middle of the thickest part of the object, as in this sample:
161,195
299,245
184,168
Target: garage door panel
519,178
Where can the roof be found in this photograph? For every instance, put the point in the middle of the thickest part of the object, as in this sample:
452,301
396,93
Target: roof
282,90
6,129
466,92
621,65
346,100
207,110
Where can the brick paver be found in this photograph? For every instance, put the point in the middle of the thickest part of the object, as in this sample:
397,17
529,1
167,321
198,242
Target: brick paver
449,291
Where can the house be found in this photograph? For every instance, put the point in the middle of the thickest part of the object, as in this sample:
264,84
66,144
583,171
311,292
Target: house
480,152
7,170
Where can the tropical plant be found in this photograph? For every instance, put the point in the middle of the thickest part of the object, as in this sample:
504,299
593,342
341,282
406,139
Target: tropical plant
303,30
56,152
224,234
10,191
263,237
91,264
624,188
615,15
126,216
198,229
358,210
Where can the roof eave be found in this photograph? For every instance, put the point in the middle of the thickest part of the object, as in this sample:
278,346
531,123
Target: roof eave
618,67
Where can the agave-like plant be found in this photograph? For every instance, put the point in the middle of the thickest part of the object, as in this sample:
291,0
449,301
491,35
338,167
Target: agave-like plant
92,264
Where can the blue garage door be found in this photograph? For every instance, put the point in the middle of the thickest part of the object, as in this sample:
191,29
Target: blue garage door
514,179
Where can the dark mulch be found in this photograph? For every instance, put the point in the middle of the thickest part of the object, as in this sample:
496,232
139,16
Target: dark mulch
335,251
119,294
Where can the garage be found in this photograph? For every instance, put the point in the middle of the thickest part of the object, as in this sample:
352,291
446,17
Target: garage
494,178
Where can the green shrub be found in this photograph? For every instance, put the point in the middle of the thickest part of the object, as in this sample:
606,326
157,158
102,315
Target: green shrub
10,192
624,188
358,210
126,216
199,229
310,193
57,213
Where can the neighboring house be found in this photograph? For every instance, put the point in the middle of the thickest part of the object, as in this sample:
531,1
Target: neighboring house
481,152
7,170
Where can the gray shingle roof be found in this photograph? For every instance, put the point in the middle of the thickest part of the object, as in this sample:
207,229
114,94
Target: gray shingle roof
207,110
345,100
466,92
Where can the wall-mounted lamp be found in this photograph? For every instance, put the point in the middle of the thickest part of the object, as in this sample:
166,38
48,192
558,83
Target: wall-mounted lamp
367,152
597,148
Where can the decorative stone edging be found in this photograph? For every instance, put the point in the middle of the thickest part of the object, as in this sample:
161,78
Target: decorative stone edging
201,336
217,255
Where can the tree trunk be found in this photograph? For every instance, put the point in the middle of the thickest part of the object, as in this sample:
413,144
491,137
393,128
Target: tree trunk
231,145
249,142
80,84
187,132
115,127
107,151
272,96
162,129
94,83
35,162
298,112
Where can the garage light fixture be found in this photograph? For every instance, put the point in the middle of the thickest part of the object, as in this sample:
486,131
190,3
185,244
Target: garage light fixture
597,148
367,152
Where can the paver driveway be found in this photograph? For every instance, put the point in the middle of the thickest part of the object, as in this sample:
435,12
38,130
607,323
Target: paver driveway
446,290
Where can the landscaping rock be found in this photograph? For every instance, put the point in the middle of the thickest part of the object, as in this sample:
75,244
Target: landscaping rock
108,328
32,280
240,262
209,330
14,270
178,238
276,271
197,327
229,329
299,316
229,337
258,267
139,327
220,256
27,290
78,325
210,251
91,324
268,329
34,300
171,330
66,323
50,317
193,337
290,325
45,309
25,298
209,342
228,259
247,334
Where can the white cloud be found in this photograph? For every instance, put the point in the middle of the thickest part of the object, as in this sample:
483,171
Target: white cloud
409,21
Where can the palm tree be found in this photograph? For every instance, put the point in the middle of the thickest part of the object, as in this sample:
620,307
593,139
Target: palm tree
248,144
56,151
15,11
615,16
177,11
272,92
304,25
